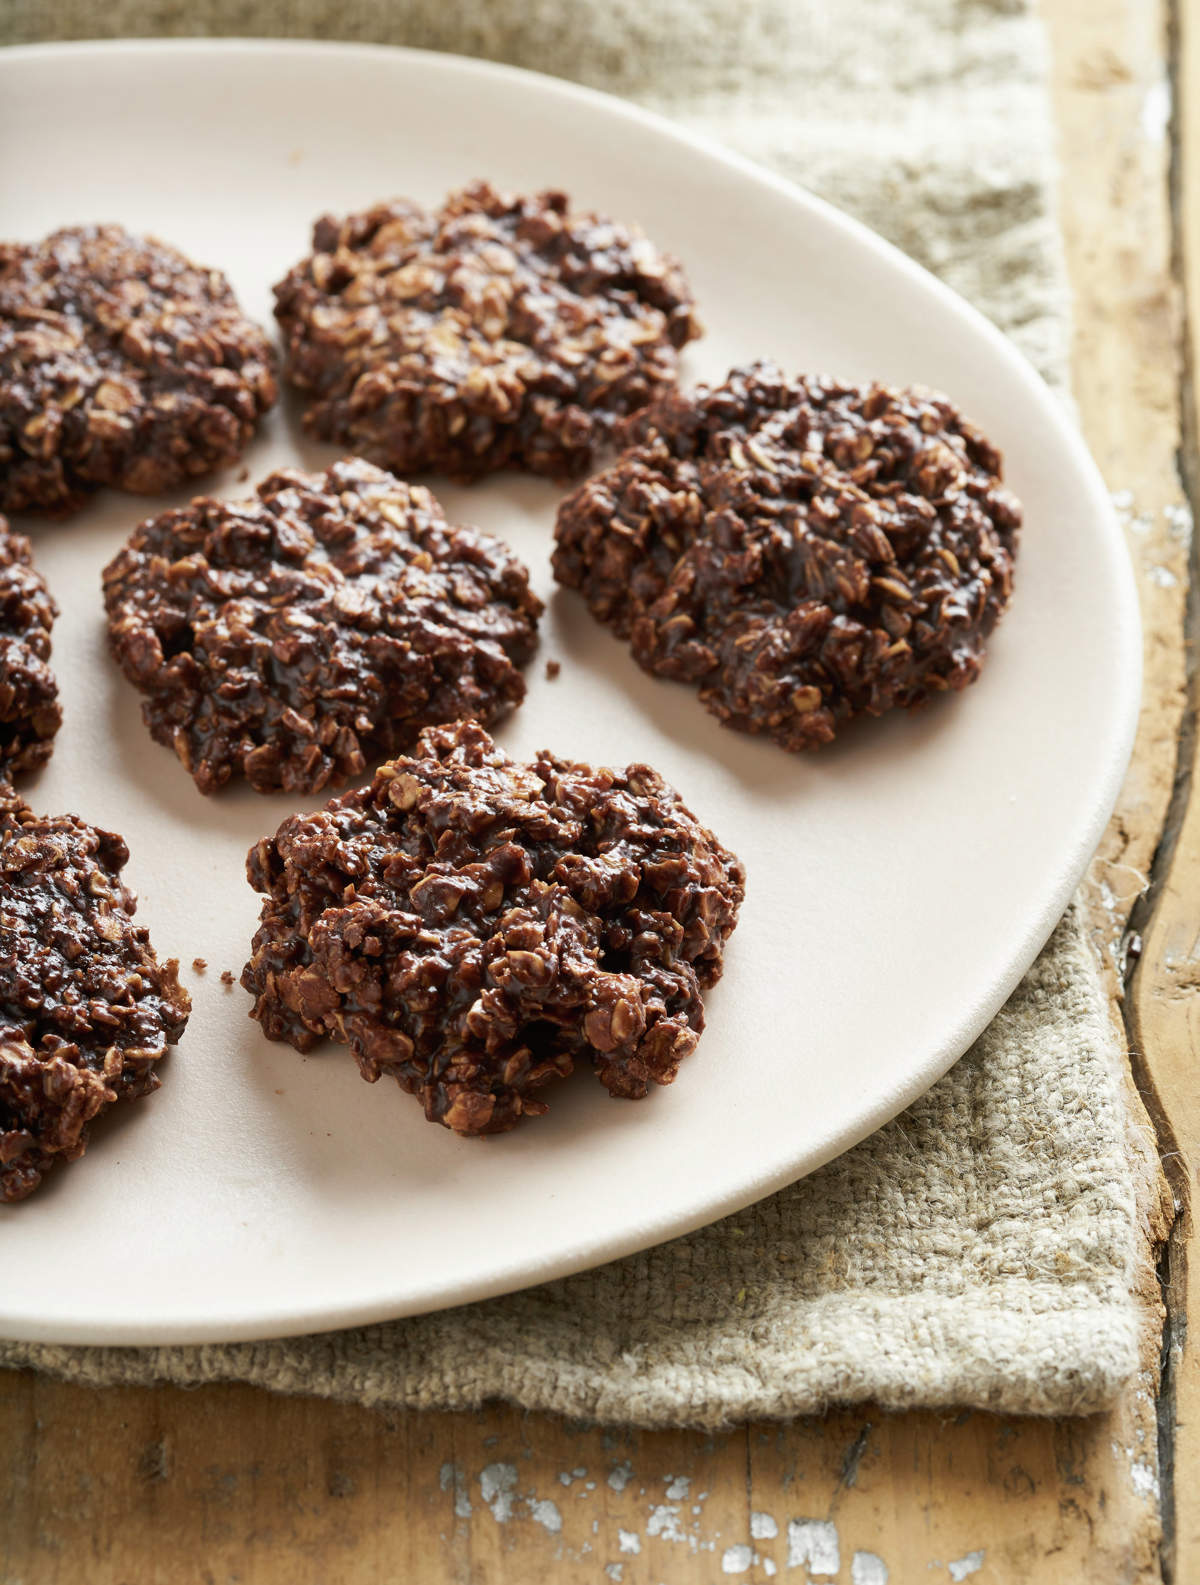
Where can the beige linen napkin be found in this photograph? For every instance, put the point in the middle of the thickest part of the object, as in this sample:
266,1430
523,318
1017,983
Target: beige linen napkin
980,1249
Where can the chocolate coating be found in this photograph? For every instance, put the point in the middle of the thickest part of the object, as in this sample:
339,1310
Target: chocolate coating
474,926
121,363
804,551
494,332
86,1009
296,637
30,713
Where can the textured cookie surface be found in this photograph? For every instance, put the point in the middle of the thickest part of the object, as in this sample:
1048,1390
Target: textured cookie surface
803,551
295,637
475,926
494,332
30,713
86,1009
121,363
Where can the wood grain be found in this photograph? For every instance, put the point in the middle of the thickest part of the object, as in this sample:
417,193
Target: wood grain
1165,999
143,1487
139,1487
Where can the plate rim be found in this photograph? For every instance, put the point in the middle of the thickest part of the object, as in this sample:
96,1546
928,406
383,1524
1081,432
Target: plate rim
1089,826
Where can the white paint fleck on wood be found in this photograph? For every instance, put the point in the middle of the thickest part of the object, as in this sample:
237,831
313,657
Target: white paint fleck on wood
497,1483
664,1522
963,1566
545,1513
451,1478
868,1568
813,1542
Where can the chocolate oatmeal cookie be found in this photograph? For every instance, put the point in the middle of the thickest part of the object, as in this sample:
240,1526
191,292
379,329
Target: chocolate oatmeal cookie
121,363
30,713
86,1009
474,926
493,332
805,551
299,636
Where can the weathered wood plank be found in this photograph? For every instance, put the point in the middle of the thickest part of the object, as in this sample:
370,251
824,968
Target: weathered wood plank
136,1485
1165,1000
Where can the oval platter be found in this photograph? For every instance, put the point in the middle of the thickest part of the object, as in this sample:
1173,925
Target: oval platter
899,883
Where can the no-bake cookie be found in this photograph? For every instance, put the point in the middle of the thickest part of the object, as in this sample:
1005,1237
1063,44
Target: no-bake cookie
299,636
30,713
805,551
121,363
475,926
494,332
86,1009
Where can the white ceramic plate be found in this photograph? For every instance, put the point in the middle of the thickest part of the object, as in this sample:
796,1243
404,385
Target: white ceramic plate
899,884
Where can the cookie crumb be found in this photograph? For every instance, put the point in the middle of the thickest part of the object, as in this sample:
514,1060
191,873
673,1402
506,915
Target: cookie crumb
227,977
199,965
552,669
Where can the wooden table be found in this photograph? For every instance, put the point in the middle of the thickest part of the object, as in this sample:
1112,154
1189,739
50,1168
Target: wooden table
224,1484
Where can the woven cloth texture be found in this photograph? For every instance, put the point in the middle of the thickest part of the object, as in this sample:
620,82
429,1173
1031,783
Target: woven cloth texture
979,1250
